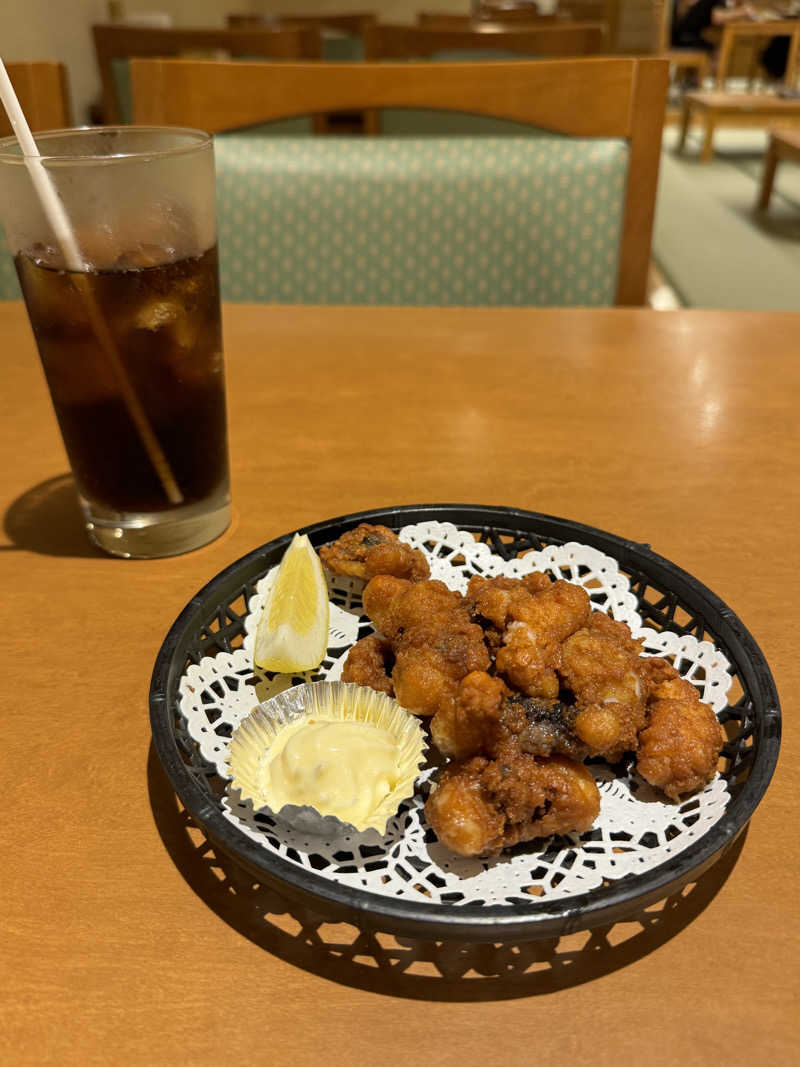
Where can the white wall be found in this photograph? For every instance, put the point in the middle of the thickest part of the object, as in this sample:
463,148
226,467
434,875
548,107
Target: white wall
55,29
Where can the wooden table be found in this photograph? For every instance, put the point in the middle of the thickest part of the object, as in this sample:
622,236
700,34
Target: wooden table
783,144
127,941
732,109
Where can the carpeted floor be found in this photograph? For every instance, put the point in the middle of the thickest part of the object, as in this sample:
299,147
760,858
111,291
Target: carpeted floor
711,245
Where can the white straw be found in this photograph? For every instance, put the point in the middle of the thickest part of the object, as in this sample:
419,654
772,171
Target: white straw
60,224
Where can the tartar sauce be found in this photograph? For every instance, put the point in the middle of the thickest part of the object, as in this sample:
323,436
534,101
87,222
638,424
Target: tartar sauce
340,768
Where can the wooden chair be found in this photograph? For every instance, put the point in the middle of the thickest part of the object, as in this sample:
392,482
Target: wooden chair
116,42
512,14
510,10
552,39
596,98
490,17
251,21
436,20
342,40
350,23
382,42
679,58
607,11
43,92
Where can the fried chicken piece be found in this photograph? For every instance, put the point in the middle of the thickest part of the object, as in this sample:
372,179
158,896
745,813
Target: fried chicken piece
602,666
680,747
533,619
395,605
471,725
369,662
485,715
492,598
434,641
369,550
481,806
657,671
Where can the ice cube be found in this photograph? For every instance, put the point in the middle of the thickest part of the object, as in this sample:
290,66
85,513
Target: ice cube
142,256
51,298
157,314
182,325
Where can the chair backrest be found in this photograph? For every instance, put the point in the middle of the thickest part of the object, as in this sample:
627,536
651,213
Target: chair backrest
43,93
117,42
549,39
617,98
250,21
350,23
662,19
509,12
607,10
444,20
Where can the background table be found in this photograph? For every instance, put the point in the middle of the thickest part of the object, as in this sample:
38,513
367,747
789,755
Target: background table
761,31
129,941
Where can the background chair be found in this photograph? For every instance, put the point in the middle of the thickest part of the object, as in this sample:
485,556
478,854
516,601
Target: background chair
679,58
609,11
342,37
494,17
115,44
548,39
560,218
342,34
349,22
43,92
472,43
443,20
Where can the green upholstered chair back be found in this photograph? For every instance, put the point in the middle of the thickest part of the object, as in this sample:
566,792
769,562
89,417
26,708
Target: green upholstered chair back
533,220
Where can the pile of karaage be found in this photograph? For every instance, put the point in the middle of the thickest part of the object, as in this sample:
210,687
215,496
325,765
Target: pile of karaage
522,681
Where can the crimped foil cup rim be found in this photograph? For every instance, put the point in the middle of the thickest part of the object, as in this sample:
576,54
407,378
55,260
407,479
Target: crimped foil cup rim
254,735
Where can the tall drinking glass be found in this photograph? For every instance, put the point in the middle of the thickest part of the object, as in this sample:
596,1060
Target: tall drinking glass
131,345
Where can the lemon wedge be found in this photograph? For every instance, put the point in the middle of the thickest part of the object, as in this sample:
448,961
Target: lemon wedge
292,633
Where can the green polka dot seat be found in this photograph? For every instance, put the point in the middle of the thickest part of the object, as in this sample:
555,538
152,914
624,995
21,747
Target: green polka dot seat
531,220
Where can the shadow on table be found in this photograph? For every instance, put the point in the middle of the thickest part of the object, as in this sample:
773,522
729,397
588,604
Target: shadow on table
402,966
47,519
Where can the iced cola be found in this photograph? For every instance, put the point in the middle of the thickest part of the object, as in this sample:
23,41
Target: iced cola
131,342
165,323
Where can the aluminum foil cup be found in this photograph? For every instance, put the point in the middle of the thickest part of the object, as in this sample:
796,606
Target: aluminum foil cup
253,738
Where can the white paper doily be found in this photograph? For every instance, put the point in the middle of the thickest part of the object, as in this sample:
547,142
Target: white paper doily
636,829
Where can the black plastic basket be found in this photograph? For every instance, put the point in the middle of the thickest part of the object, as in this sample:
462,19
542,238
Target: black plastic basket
668,599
